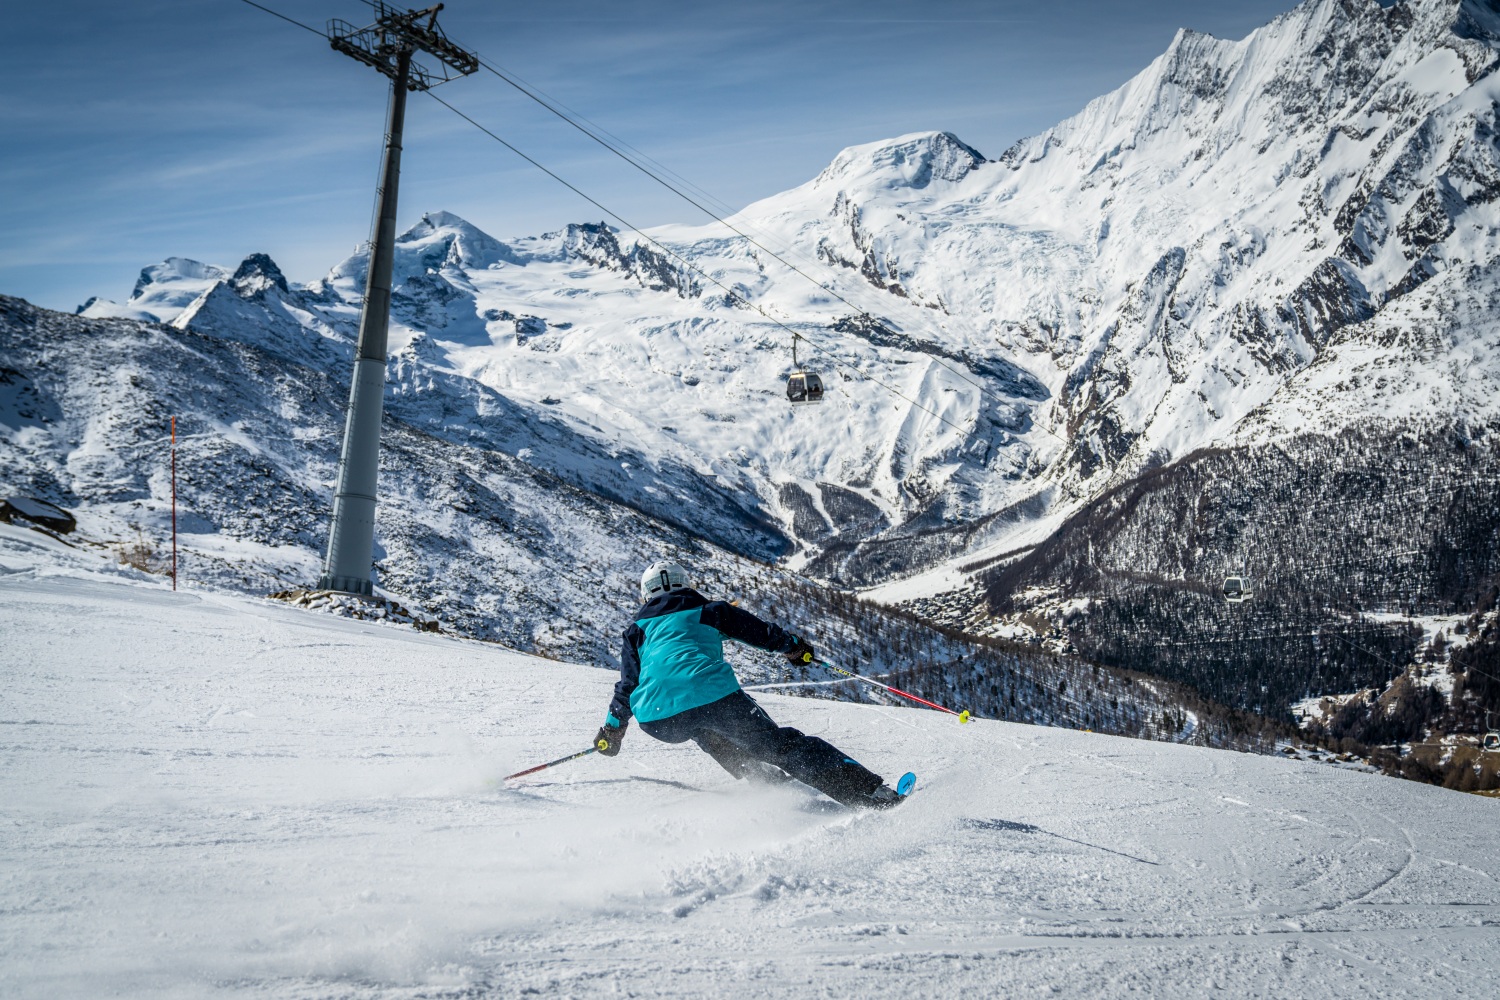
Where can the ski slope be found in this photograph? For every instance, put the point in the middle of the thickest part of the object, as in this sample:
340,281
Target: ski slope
205,795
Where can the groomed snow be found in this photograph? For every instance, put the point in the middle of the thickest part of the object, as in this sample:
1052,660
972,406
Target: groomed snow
214,796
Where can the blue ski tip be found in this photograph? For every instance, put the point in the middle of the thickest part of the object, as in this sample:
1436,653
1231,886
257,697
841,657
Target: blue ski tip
906,784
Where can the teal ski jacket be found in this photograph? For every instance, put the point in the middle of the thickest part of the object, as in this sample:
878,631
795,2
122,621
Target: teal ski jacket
673,655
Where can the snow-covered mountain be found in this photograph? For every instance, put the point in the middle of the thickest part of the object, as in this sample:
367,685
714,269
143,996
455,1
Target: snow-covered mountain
161,292
1295,231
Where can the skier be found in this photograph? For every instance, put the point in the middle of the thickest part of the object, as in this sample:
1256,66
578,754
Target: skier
674,680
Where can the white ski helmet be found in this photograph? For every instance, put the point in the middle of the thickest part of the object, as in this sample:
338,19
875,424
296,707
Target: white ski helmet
661,577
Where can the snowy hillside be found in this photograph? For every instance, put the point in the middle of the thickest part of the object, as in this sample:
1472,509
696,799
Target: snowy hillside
505,553
1295,231
1370,554
498,546
479,527
217,796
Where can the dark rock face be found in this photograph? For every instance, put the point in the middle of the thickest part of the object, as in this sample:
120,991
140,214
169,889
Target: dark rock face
1010,379
422,300
1104,445
876,263
530,326
912,162
945,158
597,244
1429,221
1330,298
23,403
258,271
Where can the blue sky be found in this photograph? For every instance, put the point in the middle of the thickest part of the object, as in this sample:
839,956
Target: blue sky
141,129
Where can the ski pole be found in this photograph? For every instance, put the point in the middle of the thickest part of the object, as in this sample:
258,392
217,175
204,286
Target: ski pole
543,767
962,716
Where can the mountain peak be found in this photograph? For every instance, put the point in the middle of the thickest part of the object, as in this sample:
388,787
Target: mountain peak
1469,19
914,160
433,222
175,269
256,273
1295,75
450,239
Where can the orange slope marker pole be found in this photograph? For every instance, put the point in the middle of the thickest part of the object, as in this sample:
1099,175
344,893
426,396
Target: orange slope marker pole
174,503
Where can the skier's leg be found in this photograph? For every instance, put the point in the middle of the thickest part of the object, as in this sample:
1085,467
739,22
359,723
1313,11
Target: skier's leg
730,757
737,762
813,761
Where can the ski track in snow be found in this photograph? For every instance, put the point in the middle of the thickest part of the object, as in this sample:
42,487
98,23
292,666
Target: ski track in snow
206,795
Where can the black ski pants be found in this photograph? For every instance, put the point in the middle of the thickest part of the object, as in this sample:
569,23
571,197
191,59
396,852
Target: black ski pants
737,732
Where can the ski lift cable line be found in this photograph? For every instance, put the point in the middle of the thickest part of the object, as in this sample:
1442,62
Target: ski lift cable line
636,158
1242,637
1390,663
530,89
597,136
834,358
1482,673
595,131
732,293
288,20
513,78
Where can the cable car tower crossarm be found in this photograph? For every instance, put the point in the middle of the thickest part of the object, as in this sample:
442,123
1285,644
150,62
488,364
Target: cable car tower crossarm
387,46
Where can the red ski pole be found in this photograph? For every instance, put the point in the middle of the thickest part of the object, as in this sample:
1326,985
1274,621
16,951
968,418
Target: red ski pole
962,716
543,767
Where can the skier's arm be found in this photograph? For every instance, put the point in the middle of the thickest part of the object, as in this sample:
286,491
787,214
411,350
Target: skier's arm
742,626
630,676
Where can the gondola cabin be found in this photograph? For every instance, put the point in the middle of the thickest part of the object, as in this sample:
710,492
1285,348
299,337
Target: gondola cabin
804,387
1492,741
1236,589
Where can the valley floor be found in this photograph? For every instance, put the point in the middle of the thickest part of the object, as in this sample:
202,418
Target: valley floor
204,795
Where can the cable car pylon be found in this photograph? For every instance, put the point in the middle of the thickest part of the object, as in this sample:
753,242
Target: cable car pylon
387,46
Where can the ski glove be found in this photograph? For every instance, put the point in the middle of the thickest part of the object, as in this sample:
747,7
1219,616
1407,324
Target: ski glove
608,740
800,654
